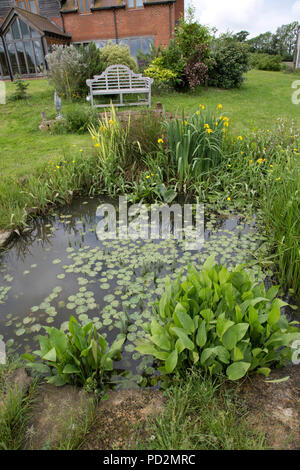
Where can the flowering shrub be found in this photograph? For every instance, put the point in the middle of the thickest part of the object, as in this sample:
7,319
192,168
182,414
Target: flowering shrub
112,54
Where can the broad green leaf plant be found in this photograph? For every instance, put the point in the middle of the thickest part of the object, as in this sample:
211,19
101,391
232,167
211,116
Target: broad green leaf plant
220,321
81,357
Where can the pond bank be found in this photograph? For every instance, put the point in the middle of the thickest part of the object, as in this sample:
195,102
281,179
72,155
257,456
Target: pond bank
121,421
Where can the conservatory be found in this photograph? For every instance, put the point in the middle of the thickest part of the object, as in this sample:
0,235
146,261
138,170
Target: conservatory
25,40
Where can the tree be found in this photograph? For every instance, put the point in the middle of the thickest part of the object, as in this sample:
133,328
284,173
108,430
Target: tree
241,36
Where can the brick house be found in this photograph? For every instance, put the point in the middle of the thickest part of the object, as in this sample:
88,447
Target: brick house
28,28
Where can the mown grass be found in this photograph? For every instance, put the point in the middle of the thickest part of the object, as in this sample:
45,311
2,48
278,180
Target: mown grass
263,97
201,414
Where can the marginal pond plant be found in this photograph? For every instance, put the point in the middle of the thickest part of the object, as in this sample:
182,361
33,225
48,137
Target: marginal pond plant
220,321
81,357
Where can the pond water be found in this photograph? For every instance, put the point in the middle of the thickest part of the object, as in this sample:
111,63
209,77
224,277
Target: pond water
59,267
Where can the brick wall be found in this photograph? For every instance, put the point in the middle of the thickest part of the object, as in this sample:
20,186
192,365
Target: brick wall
153,20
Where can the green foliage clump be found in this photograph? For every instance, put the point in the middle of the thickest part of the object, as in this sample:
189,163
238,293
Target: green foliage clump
163,77
20,92
81,357
219,321
76,121
195,145
266,62
231,61
113,54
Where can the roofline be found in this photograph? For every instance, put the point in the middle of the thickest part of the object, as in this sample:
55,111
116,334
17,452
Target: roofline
18,11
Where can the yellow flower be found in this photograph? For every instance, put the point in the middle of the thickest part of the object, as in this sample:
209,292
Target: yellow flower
80,150
229,199
185,123
201,106
271,166
226,123
260,161
160,141
206,126
73,161
251,161
147,177
197,112
219,106
93,137
209,131
97,145
240,137
152,174
57,166
229,165
111,122
278,179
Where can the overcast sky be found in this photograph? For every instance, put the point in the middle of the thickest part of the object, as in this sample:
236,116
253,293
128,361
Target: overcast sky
255,16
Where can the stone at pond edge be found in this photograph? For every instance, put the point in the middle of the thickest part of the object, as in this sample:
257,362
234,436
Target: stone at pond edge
4,237
19,379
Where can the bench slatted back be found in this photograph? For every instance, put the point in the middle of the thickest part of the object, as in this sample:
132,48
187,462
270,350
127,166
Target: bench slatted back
119,77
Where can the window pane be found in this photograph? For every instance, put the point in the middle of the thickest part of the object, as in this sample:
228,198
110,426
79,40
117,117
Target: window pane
34,33
81,6
3,62
15,30
24,30
134,46
130,3
12,58
38,54
139,3
29,56
87,5
21,5
32,6
22,63
8,35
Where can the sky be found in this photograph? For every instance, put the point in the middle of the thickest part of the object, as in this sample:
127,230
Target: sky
255,16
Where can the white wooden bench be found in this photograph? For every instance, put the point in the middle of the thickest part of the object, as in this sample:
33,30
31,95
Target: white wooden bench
120,80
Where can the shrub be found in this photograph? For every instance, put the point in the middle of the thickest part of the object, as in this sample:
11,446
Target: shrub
113,54
231,61
162,76
81,357
219,320
196,71
266,62
66,69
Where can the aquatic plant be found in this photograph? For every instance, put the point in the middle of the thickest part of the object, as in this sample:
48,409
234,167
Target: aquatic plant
81,357
220,321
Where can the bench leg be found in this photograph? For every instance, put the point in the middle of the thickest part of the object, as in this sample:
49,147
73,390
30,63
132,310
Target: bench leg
121,98
92,99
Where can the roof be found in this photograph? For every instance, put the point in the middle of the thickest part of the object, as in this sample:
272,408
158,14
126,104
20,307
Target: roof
37,21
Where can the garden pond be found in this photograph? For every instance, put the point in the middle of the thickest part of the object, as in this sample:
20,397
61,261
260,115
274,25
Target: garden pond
59,267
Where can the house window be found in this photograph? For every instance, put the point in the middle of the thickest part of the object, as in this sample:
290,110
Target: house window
84,6
31,5
135,3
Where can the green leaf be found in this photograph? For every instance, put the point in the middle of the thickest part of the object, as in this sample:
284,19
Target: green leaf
57,380
234,334
28,357
274,314
171,361
201,337
38,367
186,342
237,370
278,381
162,341
50,355
264,370
70,369
185,320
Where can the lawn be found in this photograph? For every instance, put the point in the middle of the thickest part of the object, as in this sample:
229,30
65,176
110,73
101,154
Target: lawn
263,98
